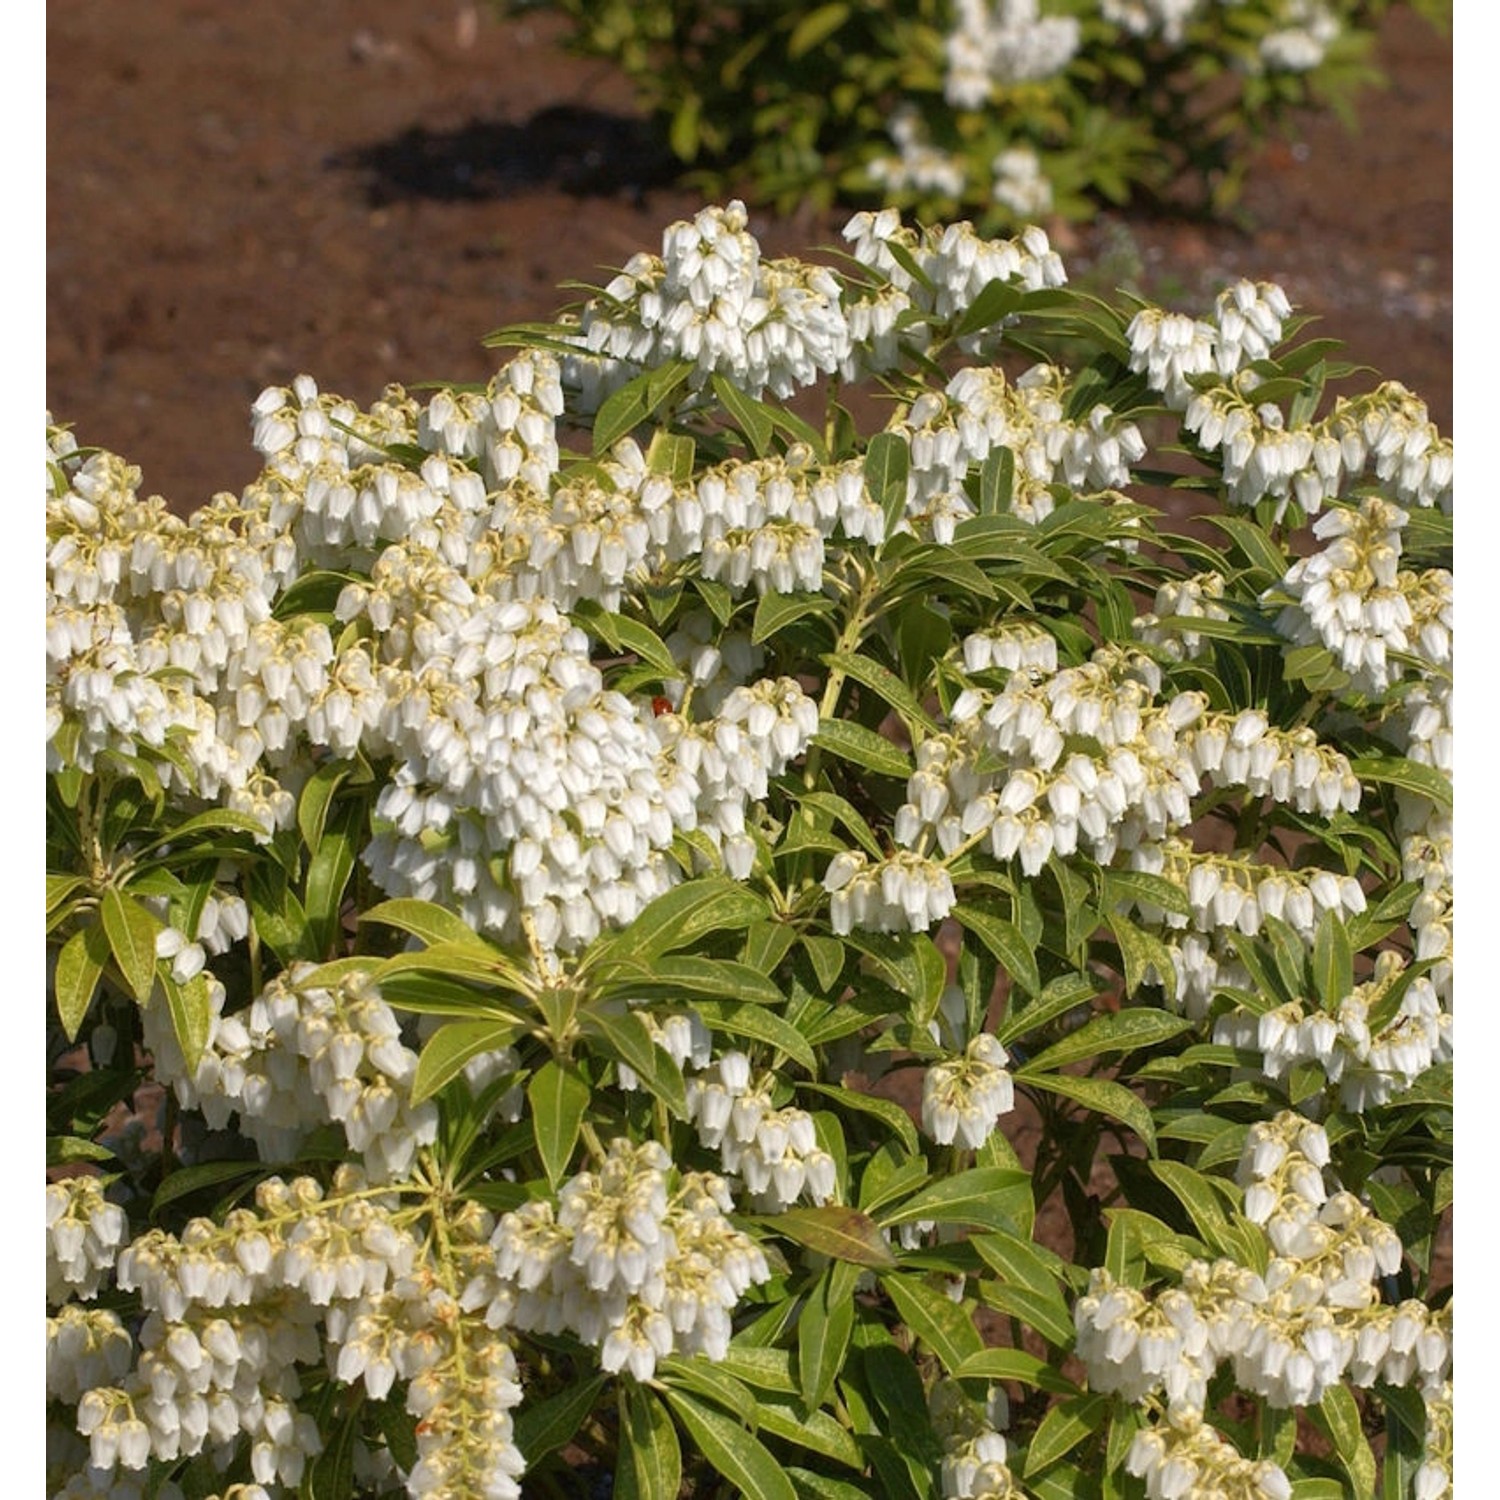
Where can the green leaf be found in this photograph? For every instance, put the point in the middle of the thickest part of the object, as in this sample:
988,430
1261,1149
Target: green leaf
1004,940
1146,889
677,920
1192,1190
1407,776
548,1425
558,1096
748,414
64,1149
1112,1099
672,454
1065,1426
317,796
761,1025
823,1331
774,612
944,1326
863,747
80,963
1066,992
191,1009
886,686
623,633
1340,1416
650,1441
982,1196
996,482
887,1111
1015,1364
887,464
744,1462
845,812
131,931
424,919
331,1474
1142,952
815,27
188,1180
624,410
451,1047
704,1376
628,1039
1122,1031
1333,961
328,873
1047,1315
836,1231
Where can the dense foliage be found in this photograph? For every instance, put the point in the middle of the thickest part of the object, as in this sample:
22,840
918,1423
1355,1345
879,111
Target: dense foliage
561,894
1006,109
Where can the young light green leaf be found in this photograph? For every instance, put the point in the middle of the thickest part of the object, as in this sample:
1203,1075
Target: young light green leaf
558,1096
1340,1416
131,931
191,1009
80,963
886,686
424,919
887,464
452,1047
1333,961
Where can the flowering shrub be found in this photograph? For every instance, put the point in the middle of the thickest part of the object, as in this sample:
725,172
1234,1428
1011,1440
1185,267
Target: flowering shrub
1009,109
558,894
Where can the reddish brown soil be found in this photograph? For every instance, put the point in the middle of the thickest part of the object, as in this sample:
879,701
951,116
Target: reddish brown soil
362,188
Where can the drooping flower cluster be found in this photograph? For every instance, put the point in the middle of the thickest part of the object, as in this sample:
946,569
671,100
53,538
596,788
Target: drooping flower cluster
84,1234
963,1099
974,1449
1369,1065
1003,42
306,1051
774,1152
635,1259
1312,1319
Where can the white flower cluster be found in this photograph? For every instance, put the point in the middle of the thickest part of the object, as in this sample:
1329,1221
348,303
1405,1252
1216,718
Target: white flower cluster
1003,42
1182,599
84,1233
86,1346
1313,1319
1140,18
979,411
1434,1477
1351,598
1301,42
921,167
307,1050
1369,1068
1170,347
964,1097
904,892
1182,1457
710,298
1262,457
774,1152
1019,183
630,1263
957,264
974,1449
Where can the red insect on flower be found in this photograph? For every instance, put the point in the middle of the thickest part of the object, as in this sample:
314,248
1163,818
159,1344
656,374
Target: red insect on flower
660,705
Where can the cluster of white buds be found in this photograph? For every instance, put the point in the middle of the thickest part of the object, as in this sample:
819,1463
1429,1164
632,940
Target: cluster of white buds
979,411
1434,1477
904,892
974,1449
1369,1068
1314,1318
84,1233
633,1263
921,168
1182,1457
305,1051
1351,598
1022,647
86,1347
711,299
963,1098
1182,599
1302,42
1003,42
775,1152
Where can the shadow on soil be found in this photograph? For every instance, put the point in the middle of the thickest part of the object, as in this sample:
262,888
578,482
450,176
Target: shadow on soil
586,152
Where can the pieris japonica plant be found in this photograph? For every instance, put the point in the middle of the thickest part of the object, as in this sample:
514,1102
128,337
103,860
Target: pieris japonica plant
564,896
1008,109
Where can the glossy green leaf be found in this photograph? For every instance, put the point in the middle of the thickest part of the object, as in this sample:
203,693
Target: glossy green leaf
1015,1364
451,1047
823,1330
1122,1031
1063,1428
944,1326
983,1196
863,747
545,1426
746,1463
131,931
1004,940
649,1445
80,964
558,1097
836,1231
1109,1098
